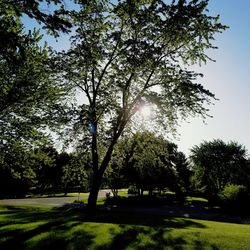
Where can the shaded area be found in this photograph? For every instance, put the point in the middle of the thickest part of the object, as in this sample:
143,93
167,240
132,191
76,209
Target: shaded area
67,228
30,228
165,205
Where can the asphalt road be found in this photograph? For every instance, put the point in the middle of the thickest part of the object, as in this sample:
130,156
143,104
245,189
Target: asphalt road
51,201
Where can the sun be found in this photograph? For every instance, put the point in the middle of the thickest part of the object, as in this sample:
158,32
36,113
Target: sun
145,111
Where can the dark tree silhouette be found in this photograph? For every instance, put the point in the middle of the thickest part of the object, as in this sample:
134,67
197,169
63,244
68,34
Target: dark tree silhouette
217,164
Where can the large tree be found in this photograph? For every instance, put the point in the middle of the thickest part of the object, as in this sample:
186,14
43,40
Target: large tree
28,93
127,53
217,164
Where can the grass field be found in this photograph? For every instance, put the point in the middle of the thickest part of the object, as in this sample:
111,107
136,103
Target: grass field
48,228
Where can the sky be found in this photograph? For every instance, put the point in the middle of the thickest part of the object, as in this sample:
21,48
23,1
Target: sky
228,78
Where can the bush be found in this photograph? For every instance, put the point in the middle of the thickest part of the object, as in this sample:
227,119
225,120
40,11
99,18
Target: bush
234,198
132,190
145,200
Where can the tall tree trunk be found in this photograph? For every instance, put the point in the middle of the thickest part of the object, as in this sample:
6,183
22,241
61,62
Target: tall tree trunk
96,181
150,191
97,178
93,195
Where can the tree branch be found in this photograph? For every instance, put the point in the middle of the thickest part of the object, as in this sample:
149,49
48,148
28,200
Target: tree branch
112,57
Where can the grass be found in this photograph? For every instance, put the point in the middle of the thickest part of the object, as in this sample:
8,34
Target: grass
196,201
50,228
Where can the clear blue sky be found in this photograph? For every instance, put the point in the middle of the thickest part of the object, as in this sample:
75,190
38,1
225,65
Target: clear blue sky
228,78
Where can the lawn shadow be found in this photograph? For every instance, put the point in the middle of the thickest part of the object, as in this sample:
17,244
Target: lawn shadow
62,228
142,219
145,239
31,228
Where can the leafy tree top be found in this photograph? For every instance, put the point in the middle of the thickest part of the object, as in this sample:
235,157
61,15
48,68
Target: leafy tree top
53,20
127,53
216,164
27,88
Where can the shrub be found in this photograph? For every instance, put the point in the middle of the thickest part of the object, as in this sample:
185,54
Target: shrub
145,200
234,198
132,190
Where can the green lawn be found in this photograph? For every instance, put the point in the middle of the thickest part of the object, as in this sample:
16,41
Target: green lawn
47,228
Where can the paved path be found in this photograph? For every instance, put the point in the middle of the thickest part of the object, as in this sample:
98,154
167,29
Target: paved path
51,201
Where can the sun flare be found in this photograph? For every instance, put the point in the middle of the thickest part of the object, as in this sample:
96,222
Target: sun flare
145,111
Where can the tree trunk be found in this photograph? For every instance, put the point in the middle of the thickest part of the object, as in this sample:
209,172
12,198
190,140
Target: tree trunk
150,191
99,171
93,195
142,191
97,179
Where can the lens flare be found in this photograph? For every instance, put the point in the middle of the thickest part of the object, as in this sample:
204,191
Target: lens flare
145,112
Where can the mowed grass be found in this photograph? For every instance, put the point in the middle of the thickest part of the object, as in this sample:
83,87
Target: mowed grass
48,228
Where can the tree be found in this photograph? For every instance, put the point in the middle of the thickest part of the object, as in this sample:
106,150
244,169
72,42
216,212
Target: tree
28,93
127,53
150,162
48,170
115,177
183,170
54,20
17,173
217,164
76,172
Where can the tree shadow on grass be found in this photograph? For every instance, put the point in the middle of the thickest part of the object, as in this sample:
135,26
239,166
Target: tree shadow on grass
145,239
65,229
142,219
27,228
140,238
134,235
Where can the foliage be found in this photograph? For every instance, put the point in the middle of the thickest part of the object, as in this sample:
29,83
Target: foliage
147,162
132,190
48,172
76,172
232,192
17,175
217,164
127,53
235,198
41,171
25,170
148,165
53,21
28,93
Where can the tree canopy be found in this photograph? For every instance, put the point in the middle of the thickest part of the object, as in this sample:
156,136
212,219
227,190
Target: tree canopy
29,95
217,164
28,92
148,162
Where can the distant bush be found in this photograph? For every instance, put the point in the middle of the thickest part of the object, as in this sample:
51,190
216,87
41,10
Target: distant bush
235,198
78,202
132,190
144,200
